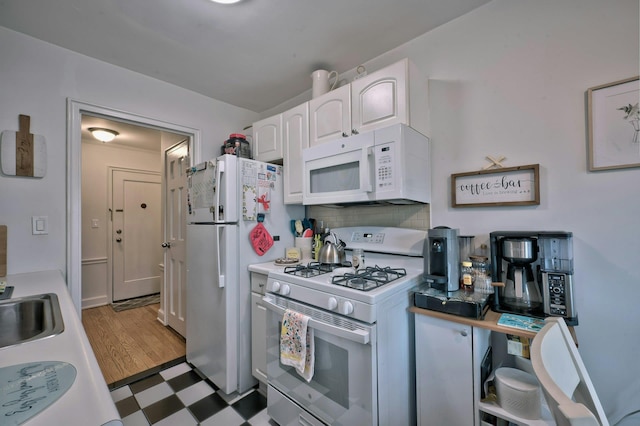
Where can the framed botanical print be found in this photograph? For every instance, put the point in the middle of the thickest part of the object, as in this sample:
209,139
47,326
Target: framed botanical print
614,125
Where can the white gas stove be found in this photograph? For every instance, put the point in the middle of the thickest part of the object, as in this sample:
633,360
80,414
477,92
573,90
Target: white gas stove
364,370
393,263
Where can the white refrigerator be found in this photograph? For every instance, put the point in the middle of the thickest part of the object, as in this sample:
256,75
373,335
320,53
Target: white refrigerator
228,198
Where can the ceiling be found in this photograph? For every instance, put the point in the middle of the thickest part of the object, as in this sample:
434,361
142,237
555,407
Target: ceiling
255,54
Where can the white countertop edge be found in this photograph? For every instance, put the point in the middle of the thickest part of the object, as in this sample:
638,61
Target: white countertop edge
88,401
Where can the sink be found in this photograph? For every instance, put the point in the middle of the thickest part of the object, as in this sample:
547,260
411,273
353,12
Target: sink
25,319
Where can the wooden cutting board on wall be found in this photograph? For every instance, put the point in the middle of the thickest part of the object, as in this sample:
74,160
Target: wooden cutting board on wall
3,250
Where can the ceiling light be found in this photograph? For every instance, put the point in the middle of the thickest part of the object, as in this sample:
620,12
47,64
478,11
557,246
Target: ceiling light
104,135
225,1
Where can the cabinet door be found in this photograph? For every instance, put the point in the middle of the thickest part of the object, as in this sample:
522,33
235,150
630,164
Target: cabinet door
267,139
444,372
330,116
258,339
380,98
295,138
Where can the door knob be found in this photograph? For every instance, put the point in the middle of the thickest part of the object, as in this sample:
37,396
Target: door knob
166,245
118,240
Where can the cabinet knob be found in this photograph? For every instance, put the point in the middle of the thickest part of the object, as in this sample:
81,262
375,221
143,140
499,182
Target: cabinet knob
344,135
354,132
118,240
463,333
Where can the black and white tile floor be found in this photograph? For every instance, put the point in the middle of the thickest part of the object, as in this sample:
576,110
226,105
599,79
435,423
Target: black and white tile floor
177,395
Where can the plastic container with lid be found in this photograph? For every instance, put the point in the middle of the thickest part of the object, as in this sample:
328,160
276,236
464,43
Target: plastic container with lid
518,393
237,144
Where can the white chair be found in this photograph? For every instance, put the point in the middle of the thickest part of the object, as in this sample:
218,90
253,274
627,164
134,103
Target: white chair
563,377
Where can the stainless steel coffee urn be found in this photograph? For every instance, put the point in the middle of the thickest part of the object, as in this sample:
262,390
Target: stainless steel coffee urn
442,259
536,268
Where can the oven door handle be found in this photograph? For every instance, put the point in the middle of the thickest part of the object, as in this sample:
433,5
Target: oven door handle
358,336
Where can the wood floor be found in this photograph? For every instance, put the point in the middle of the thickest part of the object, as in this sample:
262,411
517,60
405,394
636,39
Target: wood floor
129,342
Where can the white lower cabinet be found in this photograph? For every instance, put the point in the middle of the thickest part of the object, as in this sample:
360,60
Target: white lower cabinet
448,359
258,328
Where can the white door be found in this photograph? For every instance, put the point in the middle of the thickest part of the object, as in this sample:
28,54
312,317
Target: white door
136,233
175,269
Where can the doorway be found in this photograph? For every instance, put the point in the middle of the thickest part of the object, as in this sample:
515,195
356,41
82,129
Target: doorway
75,111
171,134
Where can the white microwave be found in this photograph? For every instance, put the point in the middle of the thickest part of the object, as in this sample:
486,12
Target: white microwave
385,166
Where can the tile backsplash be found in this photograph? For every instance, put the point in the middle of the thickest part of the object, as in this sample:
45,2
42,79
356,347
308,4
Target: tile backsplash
414,216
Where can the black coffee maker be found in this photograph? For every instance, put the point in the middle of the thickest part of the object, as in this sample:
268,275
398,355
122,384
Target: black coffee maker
536,268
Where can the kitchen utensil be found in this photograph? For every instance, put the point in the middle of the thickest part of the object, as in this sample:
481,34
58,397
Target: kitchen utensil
321,82
332,253
23,153
299,228
308,233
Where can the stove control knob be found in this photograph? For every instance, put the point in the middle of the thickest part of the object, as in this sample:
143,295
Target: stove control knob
275,286
332,304
285,290
347,308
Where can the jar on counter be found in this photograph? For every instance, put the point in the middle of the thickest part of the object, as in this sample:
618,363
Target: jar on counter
482,274
467,277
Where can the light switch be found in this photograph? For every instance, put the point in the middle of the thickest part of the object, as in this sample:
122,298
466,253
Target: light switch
39,225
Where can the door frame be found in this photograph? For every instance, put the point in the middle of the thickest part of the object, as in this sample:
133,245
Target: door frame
75,110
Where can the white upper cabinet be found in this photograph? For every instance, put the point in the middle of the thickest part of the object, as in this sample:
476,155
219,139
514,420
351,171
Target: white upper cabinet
330,116
394,94
295,137
267,139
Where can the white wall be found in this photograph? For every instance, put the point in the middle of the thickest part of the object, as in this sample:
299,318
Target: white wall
36,79
510,79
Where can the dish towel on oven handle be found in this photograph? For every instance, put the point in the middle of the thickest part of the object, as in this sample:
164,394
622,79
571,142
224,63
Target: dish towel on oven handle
296,343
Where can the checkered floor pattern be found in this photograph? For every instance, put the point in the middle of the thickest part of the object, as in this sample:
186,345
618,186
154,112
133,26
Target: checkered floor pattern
177,395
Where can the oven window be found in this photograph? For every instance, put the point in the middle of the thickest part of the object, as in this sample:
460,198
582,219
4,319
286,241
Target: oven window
343,177
331,375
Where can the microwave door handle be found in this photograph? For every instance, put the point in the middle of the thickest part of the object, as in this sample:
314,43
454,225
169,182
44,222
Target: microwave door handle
358,336
219,272
365,172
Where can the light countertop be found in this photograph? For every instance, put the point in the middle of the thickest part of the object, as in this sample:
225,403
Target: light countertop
88,401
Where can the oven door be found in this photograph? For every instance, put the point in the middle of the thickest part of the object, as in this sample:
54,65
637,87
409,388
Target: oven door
343,390
339,171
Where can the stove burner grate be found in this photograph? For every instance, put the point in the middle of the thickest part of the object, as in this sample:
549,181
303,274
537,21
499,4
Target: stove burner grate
313,269
370,278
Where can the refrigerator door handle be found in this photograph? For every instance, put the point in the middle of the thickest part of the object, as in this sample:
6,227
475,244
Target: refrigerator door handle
217,189
217,238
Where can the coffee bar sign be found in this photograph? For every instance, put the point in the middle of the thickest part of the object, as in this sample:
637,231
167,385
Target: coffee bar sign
508,186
